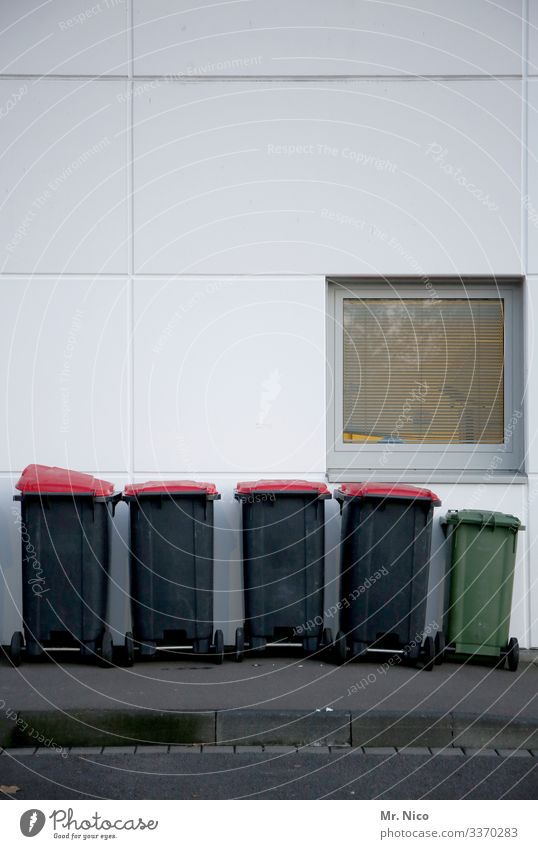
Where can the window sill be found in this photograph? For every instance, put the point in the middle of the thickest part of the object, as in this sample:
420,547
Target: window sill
432,476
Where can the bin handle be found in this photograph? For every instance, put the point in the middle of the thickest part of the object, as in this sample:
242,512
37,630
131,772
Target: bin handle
488,520
112,500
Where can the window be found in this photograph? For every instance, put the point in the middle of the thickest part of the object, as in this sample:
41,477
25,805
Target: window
424,377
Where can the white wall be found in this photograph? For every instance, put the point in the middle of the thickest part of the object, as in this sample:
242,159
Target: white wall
176,182
255,176
315,38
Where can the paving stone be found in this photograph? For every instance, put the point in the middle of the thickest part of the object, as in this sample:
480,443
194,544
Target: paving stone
219,750
119,727
17,752
281,750
253,750
151,750
390,728
448,750
379,750
495,732
86,750
182,750
120,750
283,727
414,750
480,753
49,750
316,750
514,753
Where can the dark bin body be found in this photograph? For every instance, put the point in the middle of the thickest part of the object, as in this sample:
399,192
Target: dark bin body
283,561
171,564
385,552
480,578
65,565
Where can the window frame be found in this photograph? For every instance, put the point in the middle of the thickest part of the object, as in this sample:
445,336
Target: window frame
344,458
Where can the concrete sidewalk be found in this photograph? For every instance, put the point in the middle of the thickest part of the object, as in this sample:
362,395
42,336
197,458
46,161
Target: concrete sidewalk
268,700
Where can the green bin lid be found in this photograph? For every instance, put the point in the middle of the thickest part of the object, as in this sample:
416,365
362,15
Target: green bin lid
482,517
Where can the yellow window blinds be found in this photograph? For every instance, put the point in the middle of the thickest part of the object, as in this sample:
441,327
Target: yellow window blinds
424,370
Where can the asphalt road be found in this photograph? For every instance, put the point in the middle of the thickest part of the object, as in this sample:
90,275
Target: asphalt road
279,774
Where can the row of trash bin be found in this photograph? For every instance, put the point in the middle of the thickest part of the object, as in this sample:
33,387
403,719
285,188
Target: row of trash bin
384,564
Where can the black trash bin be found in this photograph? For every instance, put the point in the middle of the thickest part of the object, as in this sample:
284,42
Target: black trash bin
171,561
384,562
64,526
283,564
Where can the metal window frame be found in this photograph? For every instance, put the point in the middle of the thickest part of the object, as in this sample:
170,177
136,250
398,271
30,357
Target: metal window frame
412,459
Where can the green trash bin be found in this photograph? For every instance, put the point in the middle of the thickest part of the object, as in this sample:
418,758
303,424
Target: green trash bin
479,583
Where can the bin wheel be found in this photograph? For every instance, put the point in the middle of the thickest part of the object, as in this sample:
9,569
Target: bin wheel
340,647
104,656
440,645
512,654
33,650
129,651
411,655
428,650
239,645
15,648
219,647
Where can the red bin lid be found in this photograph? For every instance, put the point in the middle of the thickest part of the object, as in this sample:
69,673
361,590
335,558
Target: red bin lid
170,487
388,490
248,487
51,479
